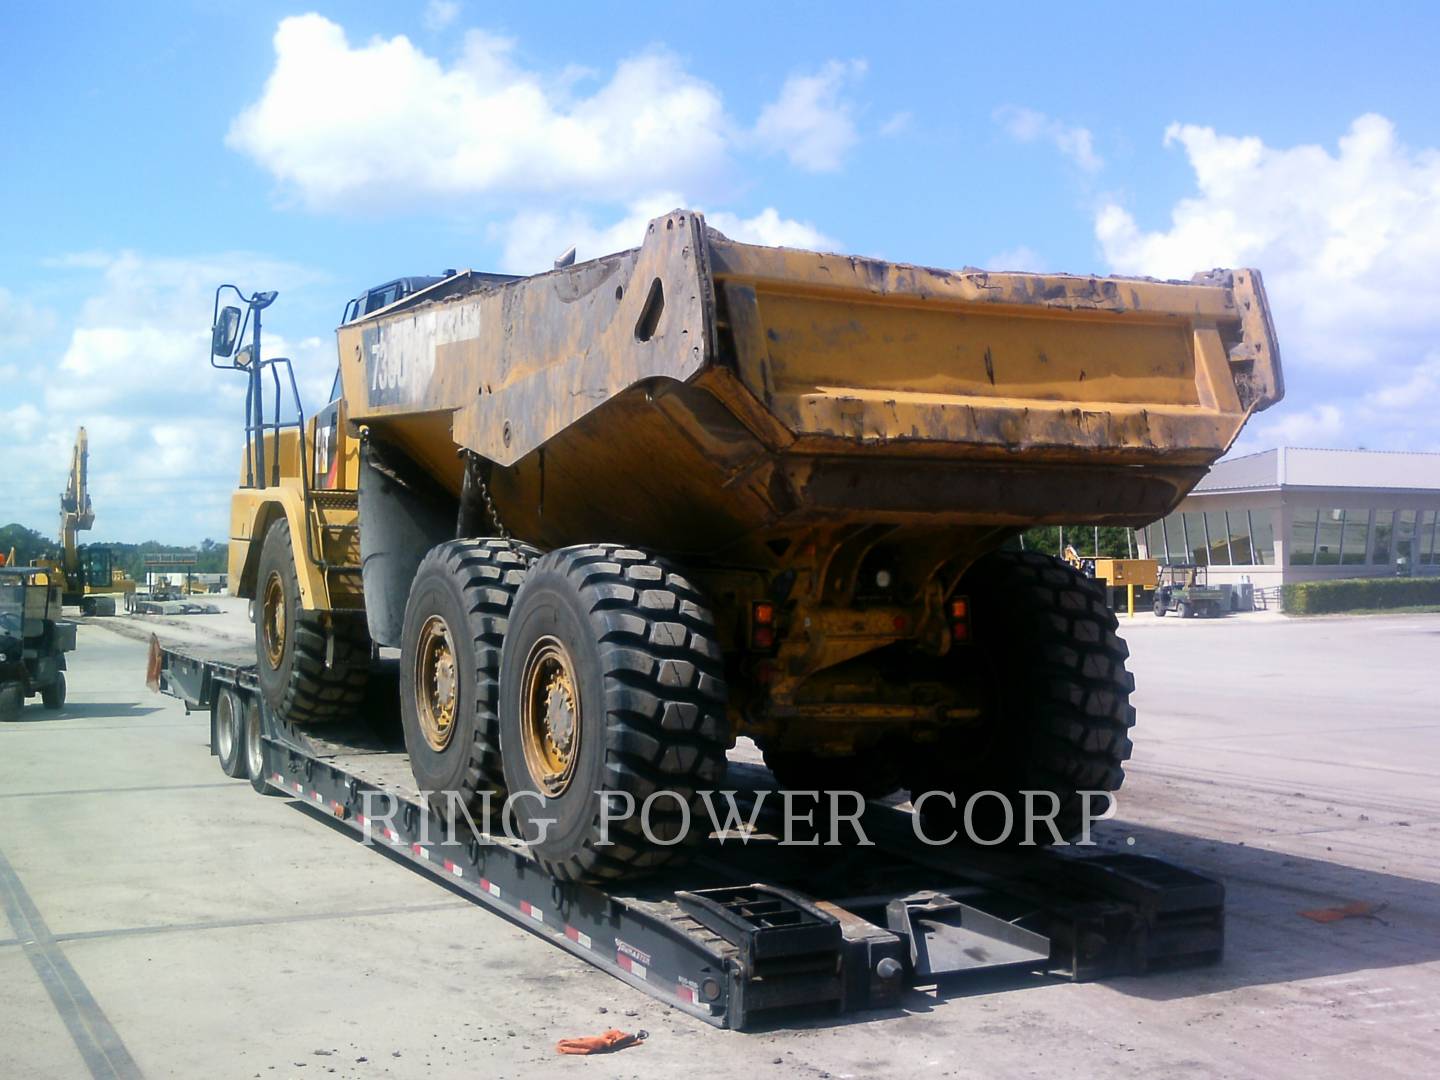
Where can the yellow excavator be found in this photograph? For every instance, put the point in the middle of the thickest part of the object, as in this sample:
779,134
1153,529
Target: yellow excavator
87,574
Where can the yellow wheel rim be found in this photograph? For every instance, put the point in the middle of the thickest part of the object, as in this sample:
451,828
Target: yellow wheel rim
550,717
272,619
437,688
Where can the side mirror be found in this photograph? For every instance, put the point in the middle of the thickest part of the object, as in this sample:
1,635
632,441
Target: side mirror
224,332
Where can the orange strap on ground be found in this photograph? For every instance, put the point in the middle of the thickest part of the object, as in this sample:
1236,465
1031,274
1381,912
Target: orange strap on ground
607,1043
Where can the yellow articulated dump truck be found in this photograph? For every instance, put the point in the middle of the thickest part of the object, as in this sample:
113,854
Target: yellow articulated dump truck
615,515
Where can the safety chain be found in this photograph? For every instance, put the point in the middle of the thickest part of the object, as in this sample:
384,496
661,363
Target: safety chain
472,462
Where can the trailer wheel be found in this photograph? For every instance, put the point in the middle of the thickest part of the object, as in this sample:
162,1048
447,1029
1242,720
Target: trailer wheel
455,620
253,727
12,701
308,672
1056,713
611,686
53,696
229,717
873,775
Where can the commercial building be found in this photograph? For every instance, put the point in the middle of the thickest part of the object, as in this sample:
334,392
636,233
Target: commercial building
1301,514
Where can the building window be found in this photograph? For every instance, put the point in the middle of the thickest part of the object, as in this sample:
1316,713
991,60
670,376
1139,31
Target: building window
1425,545
1262,536
1195,542
1237,524
1327,537
1219,538
1383,533
1303,526
1174,539
1357,531
1405,538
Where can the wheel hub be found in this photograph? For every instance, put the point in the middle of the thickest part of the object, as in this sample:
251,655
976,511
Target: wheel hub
550,720
272,620
437,687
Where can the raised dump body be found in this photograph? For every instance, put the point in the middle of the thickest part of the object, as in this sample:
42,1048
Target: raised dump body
616,514
723,394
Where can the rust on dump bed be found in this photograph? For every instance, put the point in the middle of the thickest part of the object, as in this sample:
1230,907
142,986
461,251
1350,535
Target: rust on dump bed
701,395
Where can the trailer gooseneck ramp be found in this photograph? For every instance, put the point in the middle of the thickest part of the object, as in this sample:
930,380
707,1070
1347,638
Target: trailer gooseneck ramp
768,933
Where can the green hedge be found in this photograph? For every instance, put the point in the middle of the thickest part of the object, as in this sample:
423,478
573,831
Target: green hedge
1358,594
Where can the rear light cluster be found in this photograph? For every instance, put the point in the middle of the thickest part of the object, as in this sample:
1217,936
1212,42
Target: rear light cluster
762,625
959,611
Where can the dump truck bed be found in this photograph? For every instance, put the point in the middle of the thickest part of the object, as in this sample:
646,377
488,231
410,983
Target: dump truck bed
718,391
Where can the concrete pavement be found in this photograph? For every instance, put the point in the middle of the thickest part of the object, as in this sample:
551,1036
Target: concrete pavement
164,921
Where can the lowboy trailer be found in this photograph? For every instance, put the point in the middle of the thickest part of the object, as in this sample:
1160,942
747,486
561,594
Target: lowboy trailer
756,935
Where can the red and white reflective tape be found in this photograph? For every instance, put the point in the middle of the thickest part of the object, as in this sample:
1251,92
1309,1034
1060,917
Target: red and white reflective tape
277,779
527,908
631,965
318,797
686,993
299,787
490,887
420,850
390,834
577,936
360,820
453,869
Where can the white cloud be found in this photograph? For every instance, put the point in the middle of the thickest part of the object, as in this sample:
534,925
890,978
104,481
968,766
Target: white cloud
1348,241
1022,258
482,124
21,321
1028,126
811,122
897,124
439,14
165,428
532,240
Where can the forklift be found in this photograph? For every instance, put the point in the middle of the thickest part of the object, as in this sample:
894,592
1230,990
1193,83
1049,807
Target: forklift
33,639
1182,589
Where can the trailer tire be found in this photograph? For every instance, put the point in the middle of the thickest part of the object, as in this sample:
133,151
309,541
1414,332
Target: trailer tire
254,729
292,646
228,715
611,691
1058,702
468,586
53,696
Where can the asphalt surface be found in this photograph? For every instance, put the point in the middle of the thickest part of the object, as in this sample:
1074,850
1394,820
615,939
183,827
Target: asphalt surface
160,920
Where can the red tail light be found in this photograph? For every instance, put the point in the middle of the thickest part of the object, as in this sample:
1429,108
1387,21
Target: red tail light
959,610
762,625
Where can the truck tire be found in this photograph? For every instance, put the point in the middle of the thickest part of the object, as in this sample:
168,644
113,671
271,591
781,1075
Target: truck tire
12,701
873,775
53,696
291,644
228,714
455,621
1057,700
611,685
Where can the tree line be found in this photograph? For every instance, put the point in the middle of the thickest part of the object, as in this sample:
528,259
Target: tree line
29,545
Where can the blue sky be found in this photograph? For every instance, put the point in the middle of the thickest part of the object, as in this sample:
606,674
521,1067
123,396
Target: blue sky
148,151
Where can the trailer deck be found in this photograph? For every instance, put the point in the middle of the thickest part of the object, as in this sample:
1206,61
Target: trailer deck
752,933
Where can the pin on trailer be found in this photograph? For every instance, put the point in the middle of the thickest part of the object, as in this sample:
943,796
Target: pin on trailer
756,935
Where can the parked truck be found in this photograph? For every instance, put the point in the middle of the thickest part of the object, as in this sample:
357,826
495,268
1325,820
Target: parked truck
616,515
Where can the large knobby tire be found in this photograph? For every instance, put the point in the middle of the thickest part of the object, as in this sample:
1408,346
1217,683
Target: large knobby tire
455,621
53,696
611,684
1056,696
311,668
